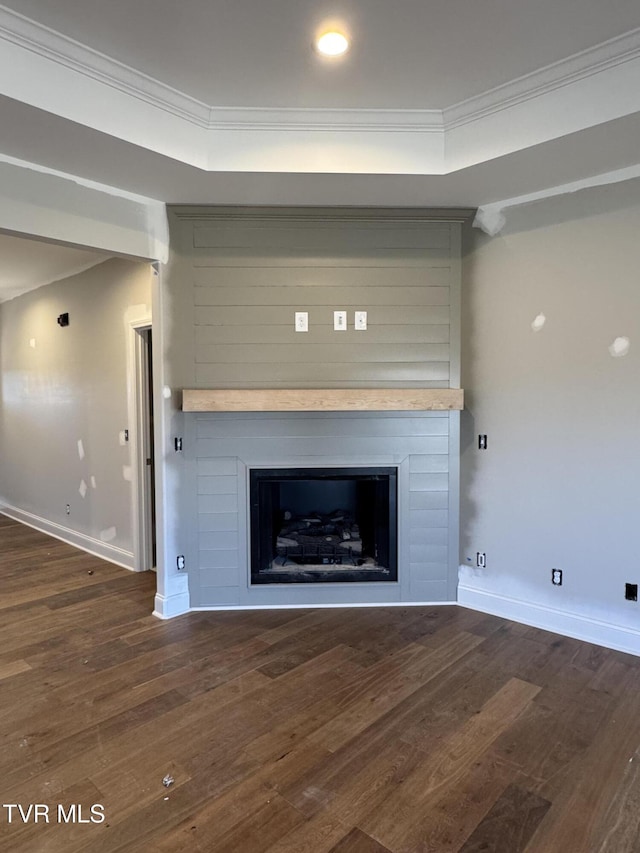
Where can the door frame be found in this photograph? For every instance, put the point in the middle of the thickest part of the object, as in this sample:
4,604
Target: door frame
138,397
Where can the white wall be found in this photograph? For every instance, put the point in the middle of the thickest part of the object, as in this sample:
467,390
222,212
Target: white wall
558,486
64,406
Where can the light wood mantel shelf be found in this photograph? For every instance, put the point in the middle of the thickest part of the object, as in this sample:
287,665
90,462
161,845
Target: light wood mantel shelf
322,400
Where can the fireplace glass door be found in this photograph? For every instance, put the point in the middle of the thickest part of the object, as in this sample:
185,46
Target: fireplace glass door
323,525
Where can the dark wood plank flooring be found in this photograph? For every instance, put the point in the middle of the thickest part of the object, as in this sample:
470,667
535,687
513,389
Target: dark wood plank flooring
388,730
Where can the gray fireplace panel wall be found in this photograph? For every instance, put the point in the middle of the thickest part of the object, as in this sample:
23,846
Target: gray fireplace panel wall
226,446
235,279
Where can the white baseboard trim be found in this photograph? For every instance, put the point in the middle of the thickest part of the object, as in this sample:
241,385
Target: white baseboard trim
96,547
311,606
558,621
169,606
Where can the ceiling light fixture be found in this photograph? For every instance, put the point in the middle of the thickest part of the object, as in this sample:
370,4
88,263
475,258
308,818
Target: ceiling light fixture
332,44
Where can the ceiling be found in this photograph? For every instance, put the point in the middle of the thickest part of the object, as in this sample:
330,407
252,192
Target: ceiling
28,264
437,103
408,54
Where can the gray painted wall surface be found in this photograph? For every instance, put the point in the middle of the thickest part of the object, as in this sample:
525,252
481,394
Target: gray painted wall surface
558,485
61,386
234,285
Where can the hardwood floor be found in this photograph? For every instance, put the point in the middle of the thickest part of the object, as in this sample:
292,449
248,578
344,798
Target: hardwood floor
383,730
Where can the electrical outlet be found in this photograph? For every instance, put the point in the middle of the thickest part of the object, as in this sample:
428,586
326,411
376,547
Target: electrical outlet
180,562
481,560
631,591
482,442
556,577
302,321
68,510
360,320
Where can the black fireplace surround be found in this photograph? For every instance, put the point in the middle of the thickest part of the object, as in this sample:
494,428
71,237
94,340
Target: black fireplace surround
323,525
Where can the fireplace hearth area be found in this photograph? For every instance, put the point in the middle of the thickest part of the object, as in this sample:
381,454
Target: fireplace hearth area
323,525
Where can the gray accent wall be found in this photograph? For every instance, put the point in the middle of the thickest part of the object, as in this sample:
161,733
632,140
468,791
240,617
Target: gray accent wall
235,281
64,406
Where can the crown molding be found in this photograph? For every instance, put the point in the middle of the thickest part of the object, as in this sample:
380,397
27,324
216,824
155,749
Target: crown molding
54,73
24,32
579,66
45,42
303,119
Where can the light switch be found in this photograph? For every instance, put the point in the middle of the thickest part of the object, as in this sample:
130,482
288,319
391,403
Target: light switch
361,320
340,321
302,321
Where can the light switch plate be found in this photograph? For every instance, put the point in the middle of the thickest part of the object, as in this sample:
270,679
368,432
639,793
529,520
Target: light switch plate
302,321
361,320
340,321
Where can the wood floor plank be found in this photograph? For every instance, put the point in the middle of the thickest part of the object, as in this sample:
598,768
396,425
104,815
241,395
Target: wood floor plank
363,730
510,823
397,824
581,810
358,842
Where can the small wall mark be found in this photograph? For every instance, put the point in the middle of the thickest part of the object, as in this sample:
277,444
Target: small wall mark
538,322
108,534
82,488
620,347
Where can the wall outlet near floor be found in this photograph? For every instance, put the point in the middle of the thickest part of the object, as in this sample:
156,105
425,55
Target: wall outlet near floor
481,560
556,577
68,509
631,591
302,321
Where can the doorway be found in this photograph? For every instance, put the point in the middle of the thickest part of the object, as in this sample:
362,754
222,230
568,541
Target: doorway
144,495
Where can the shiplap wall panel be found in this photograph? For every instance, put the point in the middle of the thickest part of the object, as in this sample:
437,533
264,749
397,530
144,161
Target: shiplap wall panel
435,273
320,333
329,374
242,280
314,236
320,426
388,315
421,440
312,297
336,354
283,258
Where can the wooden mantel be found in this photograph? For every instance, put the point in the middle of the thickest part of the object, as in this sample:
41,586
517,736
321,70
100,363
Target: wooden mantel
322,400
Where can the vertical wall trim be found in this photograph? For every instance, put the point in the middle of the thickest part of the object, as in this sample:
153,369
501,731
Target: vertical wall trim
142,320
455,288
172,594
454,505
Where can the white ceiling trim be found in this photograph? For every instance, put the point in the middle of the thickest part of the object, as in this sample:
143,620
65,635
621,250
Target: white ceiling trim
579,66
52,72
23,32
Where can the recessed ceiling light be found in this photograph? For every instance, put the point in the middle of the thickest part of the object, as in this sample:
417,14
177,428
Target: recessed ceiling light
332,44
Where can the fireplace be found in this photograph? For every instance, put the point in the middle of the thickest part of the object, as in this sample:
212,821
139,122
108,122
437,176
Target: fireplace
323,525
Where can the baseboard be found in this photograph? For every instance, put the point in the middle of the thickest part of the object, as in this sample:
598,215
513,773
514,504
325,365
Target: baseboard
558,621
168,606
325,606
96,547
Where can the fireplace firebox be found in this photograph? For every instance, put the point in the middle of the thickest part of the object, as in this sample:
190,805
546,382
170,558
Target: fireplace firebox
323,525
